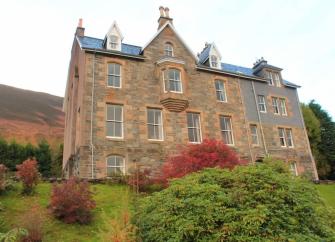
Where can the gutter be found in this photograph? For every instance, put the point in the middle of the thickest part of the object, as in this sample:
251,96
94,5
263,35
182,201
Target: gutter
229,73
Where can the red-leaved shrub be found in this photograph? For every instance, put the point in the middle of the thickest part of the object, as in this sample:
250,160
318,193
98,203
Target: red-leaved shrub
140,180
3,170
27,172
72,201
194,157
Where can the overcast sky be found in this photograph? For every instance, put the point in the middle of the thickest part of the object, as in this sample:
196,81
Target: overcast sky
298,36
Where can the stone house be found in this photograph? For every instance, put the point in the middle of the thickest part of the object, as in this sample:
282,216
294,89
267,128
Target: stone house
127,104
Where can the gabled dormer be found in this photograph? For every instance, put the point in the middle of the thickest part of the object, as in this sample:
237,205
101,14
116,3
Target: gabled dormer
210,56
114,37
272,73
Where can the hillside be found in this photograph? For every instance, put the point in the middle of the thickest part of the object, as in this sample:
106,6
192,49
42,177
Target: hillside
29,116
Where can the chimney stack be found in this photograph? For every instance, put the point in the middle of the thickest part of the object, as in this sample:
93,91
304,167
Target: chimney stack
80,29
164,16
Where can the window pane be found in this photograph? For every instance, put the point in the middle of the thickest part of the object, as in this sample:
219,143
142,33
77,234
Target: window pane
111,161
118,112
118,130
190,122
110,112
110,128
151,116
191,135
151,131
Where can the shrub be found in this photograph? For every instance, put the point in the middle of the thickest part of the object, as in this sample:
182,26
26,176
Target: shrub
32,222
248,203
13,235
27,172
141,180
3,170
72,201
210,153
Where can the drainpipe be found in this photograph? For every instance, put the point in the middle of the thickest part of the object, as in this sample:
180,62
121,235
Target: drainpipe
92,110
259,119
307,139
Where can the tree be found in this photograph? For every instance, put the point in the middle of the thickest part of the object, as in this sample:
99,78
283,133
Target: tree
249,203
326,146
29,151
3,151
43,156
15,155
57,162
194,157
27,172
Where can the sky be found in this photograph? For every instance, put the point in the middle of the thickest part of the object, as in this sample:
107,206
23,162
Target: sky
297,35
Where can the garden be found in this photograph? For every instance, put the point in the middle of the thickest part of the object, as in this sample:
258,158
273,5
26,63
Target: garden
205,193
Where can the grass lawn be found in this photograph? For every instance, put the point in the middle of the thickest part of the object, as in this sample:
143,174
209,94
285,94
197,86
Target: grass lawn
327,191
111,201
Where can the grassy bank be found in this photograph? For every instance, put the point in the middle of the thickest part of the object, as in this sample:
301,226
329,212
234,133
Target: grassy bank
111,200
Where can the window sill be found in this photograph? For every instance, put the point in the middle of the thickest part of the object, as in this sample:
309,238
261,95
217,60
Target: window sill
114,87
115,138
156,140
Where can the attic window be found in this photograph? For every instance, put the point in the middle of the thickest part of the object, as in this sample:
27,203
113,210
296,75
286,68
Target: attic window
214,61
168,49
113,42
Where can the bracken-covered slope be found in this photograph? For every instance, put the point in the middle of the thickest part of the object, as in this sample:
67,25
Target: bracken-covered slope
29,116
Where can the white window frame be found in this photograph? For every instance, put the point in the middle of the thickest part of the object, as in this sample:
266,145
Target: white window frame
115,75
168,80
197,129
270,78
168,49
230,131
261,102
293,168
161,129
221,91
282,136
214,63
115,121
123,167
254,135
277,79
114,42
289,137
283,110
275,105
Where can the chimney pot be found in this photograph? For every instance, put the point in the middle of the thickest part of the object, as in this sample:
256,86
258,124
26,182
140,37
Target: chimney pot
161,11
80,23
167,12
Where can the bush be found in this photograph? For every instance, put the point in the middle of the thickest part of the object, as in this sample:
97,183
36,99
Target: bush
142,181
32,222
210,153
248,203
13,235
27,172
72,201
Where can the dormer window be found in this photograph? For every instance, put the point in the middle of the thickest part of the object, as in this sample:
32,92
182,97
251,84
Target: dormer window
168,49
214,61
114,41
270,78
277,80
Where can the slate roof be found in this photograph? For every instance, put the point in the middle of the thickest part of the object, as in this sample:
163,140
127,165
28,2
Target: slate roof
87,42
94,43
204,54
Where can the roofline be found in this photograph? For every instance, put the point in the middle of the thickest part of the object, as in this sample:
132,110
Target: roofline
205,68
180,38
291,85
109,52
